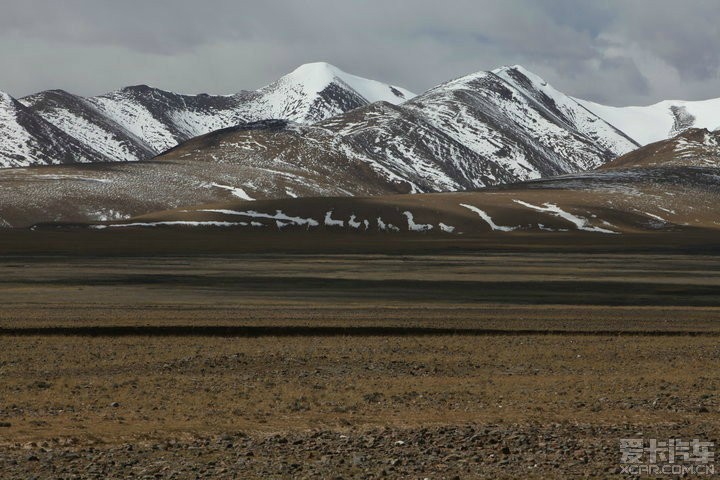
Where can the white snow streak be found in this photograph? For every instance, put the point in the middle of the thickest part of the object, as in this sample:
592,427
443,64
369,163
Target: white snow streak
446,228
236,191
488,219
174,223
655,217
580,222
277,216
331,222
386,226
416,227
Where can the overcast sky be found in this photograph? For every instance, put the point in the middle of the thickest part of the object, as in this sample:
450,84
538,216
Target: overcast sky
614,51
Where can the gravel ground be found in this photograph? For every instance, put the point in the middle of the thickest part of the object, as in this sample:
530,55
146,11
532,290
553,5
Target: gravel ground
446,452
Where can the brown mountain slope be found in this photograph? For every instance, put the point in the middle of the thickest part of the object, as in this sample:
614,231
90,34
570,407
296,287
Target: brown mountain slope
679,194
696,146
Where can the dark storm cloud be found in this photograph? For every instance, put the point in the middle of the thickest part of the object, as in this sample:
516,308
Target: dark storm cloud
613,51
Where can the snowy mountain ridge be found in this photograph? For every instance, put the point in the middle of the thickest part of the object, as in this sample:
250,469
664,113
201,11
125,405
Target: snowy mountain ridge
476,131
568,109
27,139
509,116
139,122
660,121
295,96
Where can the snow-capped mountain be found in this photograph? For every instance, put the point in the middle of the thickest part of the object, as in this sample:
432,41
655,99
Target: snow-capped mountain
138,122
316,91
479,130
484,129
659,121
81,119
514,119
533,132
502,126
27,139
568,110
162,119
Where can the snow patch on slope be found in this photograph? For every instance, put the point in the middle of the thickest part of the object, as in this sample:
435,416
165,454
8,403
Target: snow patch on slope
279,215
173,223
236,191
488,219
416,227
580,222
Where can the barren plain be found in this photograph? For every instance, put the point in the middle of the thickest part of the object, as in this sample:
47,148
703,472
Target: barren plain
493,365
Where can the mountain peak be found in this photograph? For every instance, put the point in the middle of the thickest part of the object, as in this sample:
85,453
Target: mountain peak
517,67
317,68
44,95
142,89
315,77
514,70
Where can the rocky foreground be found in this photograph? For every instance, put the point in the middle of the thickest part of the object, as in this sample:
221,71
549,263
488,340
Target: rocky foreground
446,452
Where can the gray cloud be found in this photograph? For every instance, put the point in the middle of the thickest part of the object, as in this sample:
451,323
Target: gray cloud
683,34
614,51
